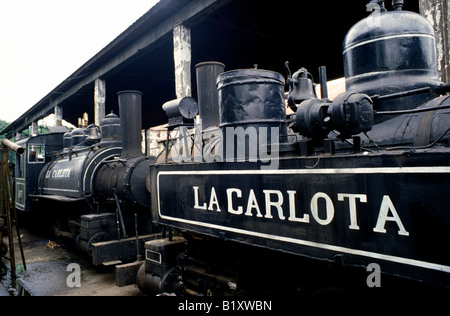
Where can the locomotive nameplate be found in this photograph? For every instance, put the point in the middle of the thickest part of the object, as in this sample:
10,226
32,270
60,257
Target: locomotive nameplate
367,214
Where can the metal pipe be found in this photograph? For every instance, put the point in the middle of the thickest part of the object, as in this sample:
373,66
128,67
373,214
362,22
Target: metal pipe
130,107
138,252
13,146
398,5
208,99
323,82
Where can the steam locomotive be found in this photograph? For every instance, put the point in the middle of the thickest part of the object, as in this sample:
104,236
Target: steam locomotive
90,184
249,199
257,201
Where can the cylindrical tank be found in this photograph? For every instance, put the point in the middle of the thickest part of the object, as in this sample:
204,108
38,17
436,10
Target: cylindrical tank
71,174
391,52
78,137
67,140
208,99
126,179
130,107
186,107
252,97
111,132
251,102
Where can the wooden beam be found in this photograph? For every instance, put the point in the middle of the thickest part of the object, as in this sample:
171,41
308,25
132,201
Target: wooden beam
58,115
99,100
34,129
182,59
438,13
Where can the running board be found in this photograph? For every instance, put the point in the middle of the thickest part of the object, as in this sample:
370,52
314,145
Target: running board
123,250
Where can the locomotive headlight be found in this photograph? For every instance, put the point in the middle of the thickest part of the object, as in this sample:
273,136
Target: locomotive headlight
312,118
352,113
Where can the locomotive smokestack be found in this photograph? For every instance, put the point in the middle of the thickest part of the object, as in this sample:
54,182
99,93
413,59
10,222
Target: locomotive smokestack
130,107
208,99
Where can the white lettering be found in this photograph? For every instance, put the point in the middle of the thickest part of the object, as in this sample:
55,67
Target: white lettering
386,206
213,201
252,204
322,208
292,217
189,306
246,306
277,204
59,173
329,208
352,206
231,210
196,204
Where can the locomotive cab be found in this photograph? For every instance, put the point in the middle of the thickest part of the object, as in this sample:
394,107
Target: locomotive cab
28,166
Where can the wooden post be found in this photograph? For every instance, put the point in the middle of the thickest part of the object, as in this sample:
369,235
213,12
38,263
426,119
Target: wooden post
99,101
438,13
182,58
58,115
34,129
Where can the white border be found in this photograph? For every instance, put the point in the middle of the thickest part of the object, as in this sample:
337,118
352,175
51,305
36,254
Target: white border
394,170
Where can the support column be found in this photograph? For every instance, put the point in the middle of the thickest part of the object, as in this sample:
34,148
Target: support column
99,101
58,115
34,129
182,58
438,13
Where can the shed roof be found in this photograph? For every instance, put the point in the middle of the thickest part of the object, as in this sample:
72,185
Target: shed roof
239,33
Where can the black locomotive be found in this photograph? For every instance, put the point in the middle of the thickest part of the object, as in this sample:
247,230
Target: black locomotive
89,186
258,201
247,199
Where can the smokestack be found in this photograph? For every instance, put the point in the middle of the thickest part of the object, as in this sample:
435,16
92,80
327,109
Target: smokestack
208,99
130,107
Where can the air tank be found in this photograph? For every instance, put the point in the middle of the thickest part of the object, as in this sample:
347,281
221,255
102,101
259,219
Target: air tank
389,53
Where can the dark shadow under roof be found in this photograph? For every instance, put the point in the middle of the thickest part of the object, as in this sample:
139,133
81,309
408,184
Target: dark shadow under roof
238,33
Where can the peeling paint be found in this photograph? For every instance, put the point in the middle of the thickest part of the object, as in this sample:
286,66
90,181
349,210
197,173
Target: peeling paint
437,13
182,60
